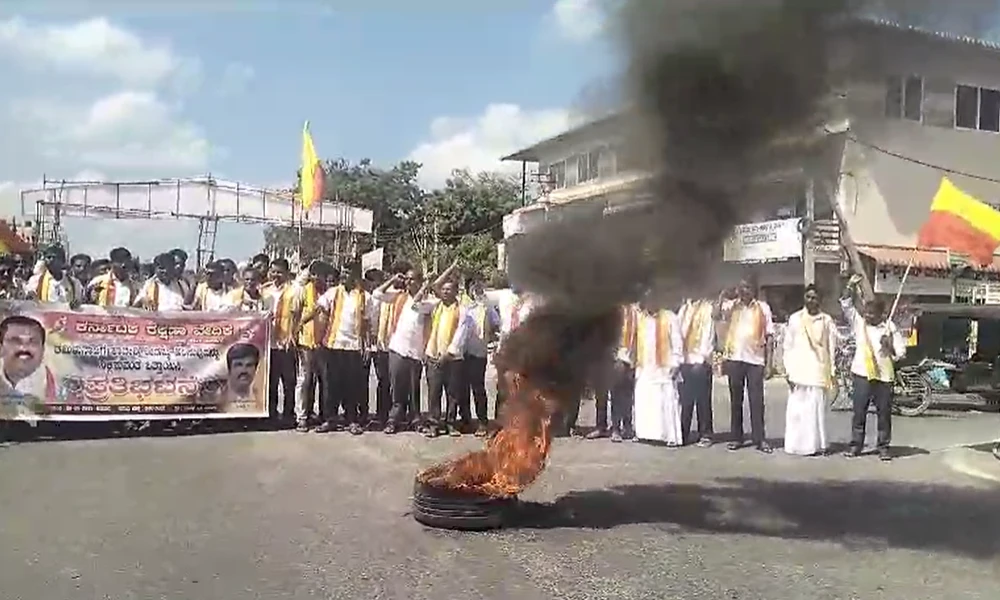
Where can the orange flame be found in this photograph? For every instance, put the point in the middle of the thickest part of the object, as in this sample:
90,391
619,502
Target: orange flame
543,375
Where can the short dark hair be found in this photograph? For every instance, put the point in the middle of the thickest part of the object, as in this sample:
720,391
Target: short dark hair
81,256
21,320
374,275
120,255
165,260
261,257
280,262
401,267
227,263
241,350
877,304
472,280
812,288
177,253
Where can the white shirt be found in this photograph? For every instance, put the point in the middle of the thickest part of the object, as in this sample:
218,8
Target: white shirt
169,297
512,309
646,339
346,337
741,332
697,327
34,385
868,336
122,292
408,338
482,316
220,300
808,349
62,291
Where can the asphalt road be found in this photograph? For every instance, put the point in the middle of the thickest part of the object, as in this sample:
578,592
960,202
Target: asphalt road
284,515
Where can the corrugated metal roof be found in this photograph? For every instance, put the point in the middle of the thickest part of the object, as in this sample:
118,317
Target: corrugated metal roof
933,260
944,35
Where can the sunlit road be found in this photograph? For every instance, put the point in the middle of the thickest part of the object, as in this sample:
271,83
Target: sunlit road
285,515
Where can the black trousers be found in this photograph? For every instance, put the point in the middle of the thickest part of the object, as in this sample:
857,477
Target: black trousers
748,378
343,378
618,390
404,383
696,398
865,392
362,399
383,394
311,364
474,388
284,372
444,378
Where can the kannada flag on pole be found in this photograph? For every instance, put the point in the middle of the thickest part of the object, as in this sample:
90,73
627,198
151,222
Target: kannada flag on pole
311,176
961,223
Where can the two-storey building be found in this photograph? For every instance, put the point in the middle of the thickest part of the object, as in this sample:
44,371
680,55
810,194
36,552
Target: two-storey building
931,109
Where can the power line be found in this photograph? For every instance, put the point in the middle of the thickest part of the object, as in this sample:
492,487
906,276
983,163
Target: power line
922,163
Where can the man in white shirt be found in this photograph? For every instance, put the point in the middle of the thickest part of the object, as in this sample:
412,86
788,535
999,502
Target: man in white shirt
215,295
407,343
163,292
484,329
878,347
348,316
698,337
51,283
808,346
513,306
116,287
444,353
26,380
749,331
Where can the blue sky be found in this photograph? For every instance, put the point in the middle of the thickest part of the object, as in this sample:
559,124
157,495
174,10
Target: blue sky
101,92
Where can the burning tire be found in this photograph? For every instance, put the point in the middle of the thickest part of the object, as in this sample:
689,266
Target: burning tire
450,509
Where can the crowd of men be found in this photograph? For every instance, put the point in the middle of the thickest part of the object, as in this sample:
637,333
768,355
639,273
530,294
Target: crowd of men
333,326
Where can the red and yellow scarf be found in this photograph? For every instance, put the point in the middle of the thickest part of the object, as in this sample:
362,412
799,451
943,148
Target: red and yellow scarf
661,340
283,313
736,320
696,317
340,295
108,292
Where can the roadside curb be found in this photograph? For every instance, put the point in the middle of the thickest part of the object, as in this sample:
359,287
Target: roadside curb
975,461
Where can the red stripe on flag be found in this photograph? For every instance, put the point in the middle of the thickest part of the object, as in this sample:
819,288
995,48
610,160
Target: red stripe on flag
948,230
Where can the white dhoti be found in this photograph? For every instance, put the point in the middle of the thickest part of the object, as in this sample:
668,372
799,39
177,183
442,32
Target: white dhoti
657,406
805,420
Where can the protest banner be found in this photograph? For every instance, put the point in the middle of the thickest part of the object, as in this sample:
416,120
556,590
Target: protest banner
95,364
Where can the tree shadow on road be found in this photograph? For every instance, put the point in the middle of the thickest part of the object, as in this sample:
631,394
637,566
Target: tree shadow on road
862,514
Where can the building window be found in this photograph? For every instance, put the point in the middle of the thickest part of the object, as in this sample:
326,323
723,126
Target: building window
587,166
904,98
557,175
977,108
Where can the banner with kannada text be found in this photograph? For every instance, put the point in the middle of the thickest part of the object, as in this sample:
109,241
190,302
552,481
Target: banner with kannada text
124,364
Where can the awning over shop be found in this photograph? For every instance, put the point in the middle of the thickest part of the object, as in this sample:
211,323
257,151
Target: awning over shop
931,260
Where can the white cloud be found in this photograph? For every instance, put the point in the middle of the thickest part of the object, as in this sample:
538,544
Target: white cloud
578,20
117,113
477,143
126,131
93,46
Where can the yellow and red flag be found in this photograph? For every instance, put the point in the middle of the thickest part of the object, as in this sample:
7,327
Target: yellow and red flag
311,176
962,224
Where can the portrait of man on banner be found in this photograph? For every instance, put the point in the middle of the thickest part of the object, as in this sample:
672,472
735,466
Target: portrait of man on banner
25,378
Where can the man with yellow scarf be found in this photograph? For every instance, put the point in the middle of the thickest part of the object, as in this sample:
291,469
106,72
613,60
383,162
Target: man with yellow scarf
349,317
51,283
312,364
749,331
116,287
698,336
446,340
878,347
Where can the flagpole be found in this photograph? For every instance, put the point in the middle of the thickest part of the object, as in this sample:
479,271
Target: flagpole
902,283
